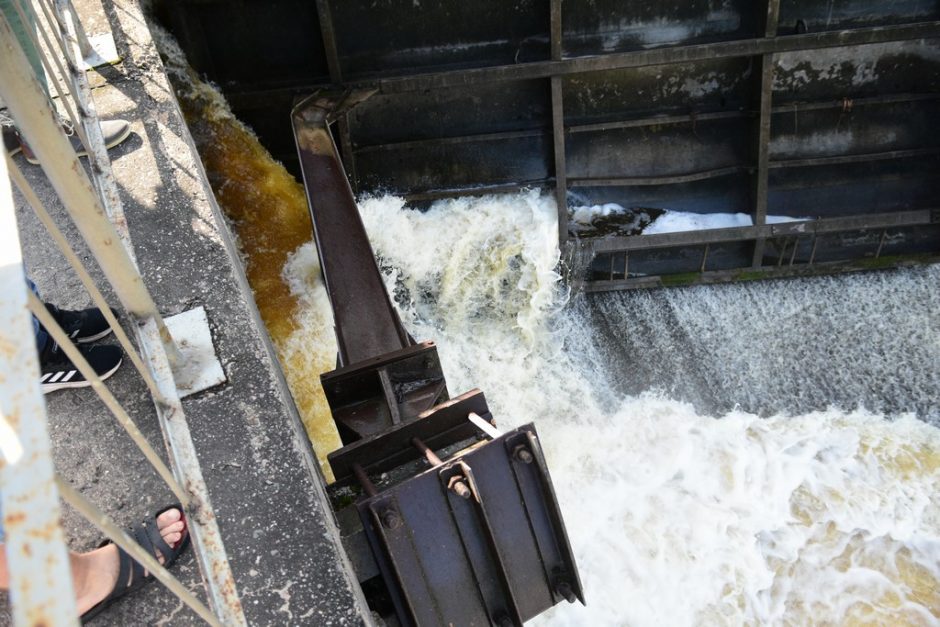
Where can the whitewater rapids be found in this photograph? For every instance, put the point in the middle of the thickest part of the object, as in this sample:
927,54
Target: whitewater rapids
686,513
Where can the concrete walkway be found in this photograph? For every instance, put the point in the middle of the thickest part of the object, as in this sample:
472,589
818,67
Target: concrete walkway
262,476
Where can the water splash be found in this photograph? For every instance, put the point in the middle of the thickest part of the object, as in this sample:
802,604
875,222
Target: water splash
679,518
827,516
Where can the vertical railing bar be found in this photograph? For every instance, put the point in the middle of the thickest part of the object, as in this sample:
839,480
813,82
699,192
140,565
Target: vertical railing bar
611,269
796,242
28,106
120,537
71,104
28,103
55,25
81,364
51,75
97,152
626,264
41,590
812,254
96,296
704,258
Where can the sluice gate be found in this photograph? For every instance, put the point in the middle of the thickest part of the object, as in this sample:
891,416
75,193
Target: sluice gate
811,121
458,523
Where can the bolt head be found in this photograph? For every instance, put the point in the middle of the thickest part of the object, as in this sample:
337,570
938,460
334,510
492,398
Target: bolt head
523,454
391,519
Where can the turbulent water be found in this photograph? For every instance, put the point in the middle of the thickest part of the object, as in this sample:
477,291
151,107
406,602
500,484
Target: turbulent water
680,517
756,453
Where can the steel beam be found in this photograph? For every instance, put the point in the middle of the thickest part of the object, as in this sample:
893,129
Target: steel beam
558,127
419,80
328,33
761,139
734,234
656,56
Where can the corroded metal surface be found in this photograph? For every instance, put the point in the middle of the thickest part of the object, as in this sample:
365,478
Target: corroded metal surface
40,577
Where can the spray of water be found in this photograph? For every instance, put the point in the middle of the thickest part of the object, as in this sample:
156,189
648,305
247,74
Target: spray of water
679,517
679,513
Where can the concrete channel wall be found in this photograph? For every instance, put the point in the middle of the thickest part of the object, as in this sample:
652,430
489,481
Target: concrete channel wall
796,108
263,480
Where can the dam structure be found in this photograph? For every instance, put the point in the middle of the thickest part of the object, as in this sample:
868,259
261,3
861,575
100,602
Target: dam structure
761,452
793,136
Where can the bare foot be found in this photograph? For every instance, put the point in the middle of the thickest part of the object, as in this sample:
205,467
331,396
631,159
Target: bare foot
95,573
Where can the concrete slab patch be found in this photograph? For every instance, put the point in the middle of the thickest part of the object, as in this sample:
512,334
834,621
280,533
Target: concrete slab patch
199,368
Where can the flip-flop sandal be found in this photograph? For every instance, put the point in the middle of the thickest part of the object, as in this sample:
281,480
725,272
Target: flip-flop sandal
132,575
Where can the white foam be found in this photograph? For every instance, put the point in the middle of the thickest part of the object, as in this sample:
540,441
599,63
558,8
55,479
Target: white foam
674,221
676,518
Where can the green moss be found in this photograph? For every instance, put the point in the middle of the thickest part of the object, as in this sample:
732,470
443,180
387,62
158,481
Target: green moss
750,275
682,278
889,261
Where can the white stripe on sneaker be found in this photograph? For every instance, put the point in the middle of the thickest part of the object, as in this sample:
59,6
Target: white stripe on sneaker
44,377
56,376
69,375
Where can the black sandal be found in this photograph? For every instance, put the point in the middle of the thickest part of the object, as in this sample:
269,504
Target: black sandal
132,575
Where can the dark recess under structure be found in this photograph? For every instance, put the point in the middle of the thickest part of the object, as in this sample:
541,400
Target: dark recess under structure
822,110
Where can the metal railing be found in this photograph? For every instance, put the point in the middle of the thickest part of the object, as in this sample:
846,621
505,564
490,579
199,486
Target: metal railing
40,583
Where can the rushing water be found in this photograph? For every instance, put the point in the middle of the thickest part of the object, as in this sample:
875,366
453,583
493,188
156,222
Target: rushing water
736,454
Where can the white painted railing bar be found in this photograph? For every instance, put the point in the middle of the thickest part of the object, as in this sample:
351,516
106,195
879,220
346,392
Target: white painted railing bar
78,360
41,590
53,77
39,124
73,259
123,540
97,151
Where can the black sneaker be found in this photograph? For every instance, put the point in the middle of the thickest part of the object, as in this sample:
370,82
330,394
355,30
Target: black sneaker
82,327
58,372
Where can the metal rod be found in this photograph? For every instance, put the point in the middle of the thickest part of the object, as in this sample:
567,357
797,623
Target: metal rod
812,255
761,139
433,459
207,539
81,364
796,241
103,177
47,63
27,102
41,591
328,34
96,296
857,158
657,56
558,137
136,551
881,243
704,259
731,234
364,481
484,426
673,179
